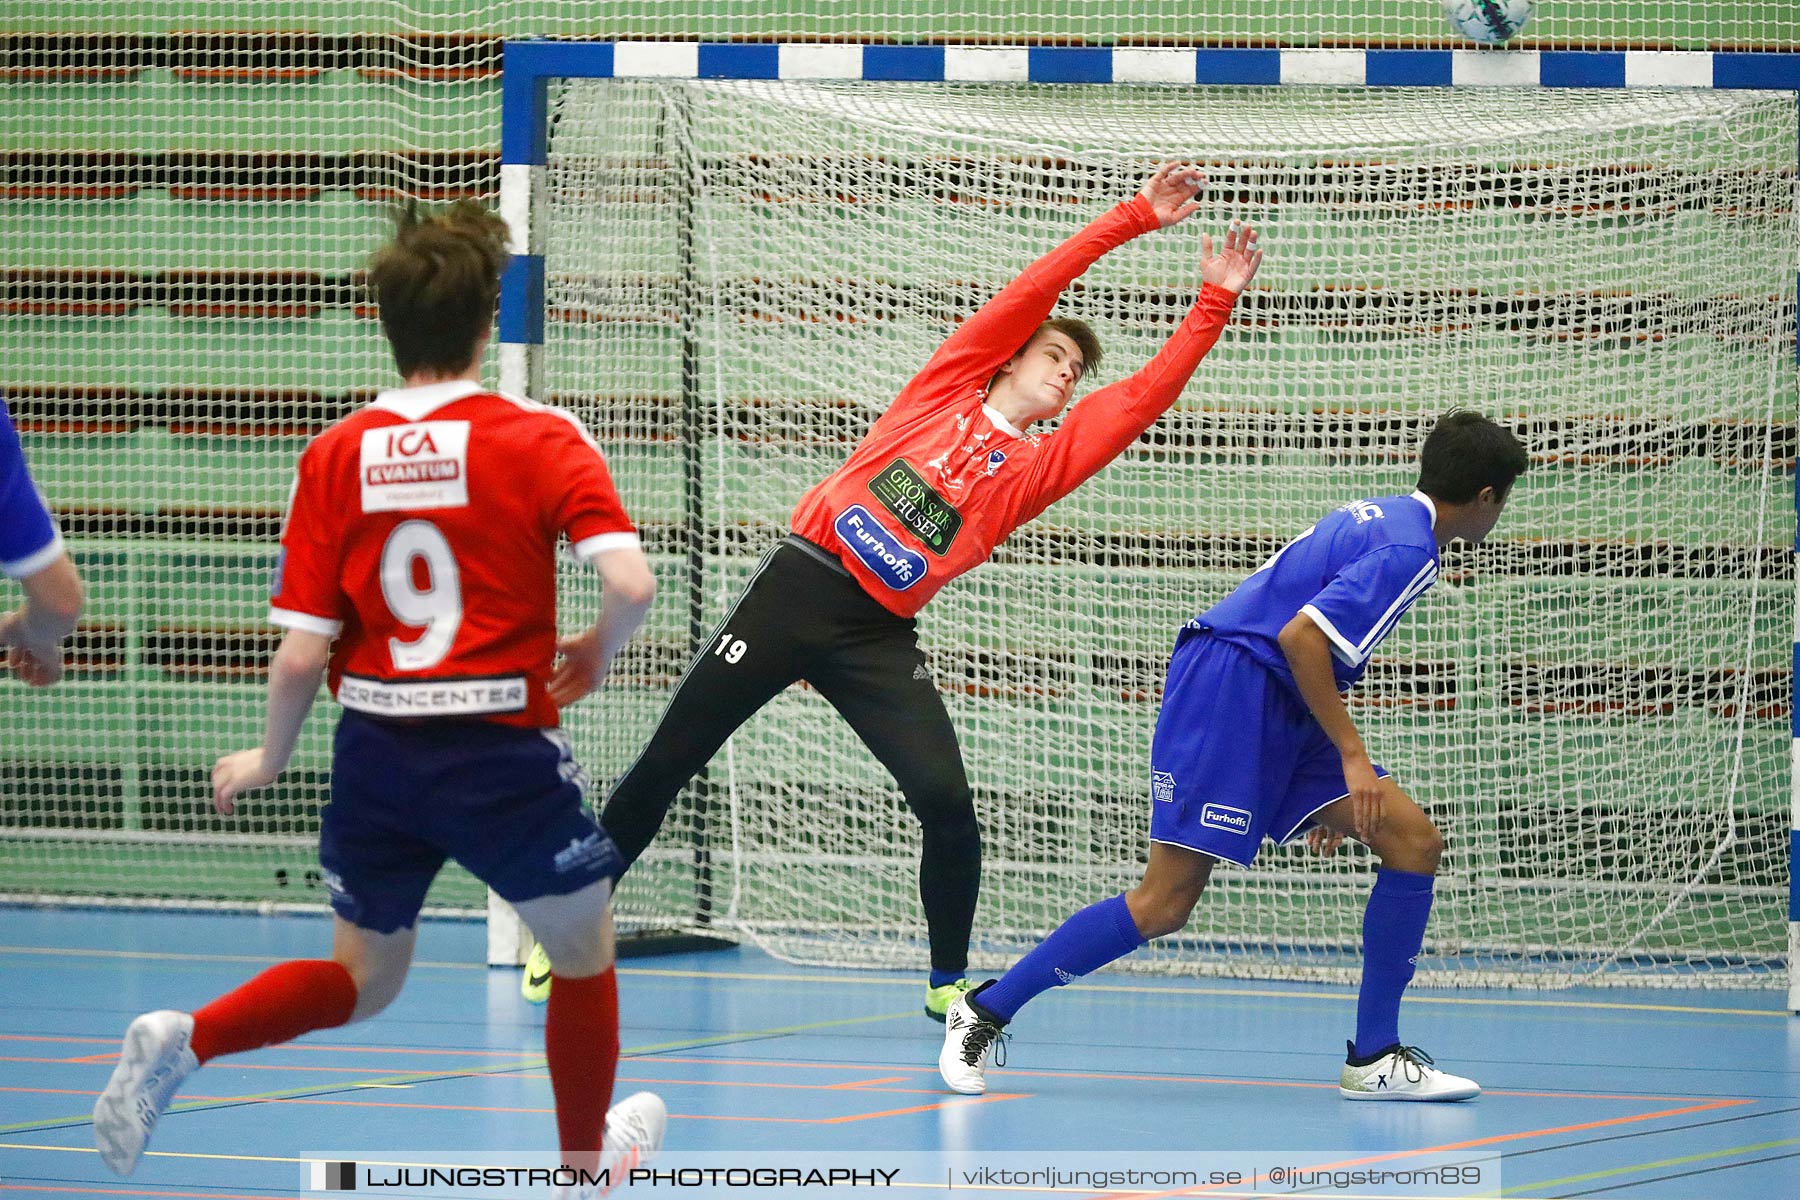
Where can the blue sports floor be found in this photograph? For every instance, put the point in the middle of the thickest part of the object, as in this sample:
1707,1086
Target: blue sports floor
1652,1094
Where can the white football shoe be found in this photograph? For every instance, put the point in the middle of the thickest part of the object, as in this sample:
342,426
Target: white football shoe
970,1034
1402,1073
633,1135
152,1064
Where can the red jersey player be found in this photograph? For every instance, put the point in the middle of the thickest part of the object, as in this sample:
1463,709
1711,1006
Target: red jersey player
947,472
421,537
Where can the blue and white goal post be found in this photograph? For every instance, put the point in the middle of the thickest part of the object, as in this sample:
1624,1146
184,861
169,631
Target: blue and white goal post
1664,742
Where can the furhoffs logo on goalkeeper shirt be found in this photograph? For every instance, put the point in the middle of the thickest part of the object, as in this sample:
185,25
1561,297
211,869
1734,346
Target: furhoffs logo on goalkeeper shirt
926,515
879,549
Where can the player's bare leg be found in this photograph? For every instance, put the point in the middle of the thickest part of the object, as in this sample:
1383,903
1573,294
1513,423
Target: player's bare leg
1378,1065
377,963
1173,880
581,1040
162,1049
1161,904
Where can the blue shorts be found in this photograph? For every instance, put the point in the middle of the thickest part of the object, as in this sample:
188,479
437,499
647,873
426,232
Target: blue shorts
504,802
1237,757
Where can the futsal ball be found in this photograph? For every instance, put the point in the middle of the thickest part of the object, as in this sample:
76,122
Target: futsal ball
1490,21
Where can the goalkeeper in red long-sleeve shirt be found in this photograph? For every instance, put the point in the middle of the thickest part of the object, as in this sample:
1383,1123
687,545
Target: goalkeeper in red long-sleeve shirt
946,473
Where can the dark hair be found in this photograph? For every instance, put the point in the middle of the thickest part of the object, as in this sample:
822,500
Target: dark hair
1465,452
1077,331
437,283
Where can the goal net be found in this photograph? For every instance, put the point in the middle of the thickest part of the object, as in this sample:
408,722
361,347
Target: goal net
1592,706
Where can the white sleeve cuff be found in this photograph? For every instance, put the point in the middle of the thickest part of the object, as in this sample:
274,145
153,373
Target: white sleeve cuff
287,618
1340,646
588,549
31,564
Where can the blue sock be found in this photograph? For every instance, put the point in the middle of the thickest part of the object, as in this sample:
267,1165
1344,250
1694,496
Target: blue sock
942,978
1085,942
1393,932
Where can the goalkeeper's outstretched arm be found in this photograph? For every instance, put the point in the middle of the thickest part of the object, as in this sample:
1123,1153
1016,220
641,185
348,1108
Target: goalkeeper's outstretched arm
1100,428
999,330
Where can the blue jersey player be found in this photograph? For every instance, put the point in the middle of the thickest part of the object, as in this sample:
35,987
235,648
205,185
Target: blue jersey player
31,551
1254,741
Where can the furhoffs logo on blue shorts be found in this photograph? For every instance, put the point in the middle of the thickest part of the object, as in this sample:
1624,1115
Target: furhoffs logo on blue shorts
879,550
1223,816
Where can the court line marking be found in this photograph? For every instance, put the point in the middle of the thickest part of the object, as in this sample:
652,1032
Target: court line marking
867,1085
717,1039
1648,1166
1209,1190
537,1064
525,1063
1413,997
65,1189
87,1118
1121,1077
447,1051
945,1102
851,1085
1730,1166
236,1066
1627,1096
1449,1147
1688,1127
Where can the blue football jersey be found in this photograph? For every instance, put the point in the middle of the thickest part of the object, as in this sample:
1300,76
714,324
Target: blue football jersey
29,540
1355,573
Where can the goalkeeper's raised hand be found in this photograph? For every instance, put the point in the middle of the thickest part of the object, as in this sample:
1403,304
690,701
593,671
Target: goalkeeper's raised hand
1235,264
1171,191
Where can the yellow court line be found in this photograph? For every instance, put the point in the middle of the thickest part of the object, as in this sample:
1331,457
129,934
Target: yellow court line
171,956
180,1106
162,1153
751,1034
1650,1166
531,1063
1413,996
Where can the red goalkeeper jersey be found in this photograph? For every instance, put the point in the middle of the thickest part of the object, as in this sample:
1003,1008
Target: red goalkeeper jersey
422,535
942,478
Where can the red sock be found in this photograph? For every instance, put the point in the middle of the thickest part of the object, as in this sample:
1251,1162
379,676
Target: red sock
279,1005
581,1040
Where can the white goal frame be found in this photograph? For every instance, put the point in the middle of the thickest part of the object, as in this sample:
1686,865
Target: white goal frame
529,66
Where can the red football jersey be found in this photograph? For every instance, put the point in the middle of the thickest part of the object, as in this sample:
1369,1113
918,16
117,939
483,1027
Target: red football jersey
942,478
422,534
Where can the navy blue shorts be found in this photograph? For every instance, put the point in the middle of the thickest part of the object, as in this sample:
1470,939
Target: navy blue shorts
1237,757
504,802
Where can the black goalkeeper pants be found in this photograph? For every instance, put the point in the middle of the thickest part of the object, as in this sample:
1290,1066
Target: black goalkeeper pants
803,618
